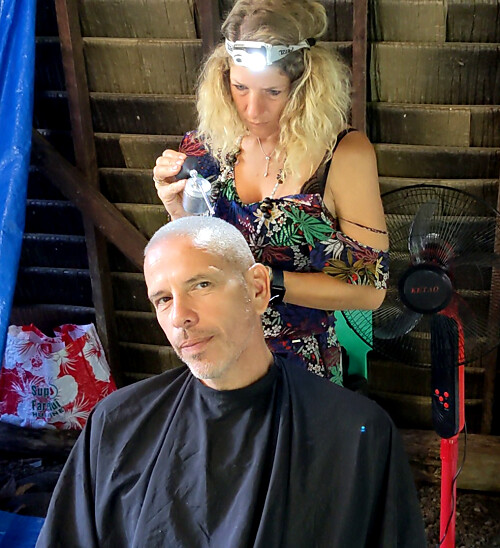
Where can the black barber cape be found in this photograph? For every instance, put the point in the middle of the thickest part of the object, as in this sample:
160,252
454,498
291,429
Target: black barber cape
291,461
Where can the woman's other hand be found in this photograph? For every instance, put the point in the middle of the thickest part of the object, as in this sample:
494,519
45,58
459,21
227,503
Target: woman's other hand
169,190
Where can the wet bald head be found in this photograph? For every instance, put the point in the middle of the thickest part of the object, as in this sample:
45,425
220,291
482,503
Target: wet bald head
210,233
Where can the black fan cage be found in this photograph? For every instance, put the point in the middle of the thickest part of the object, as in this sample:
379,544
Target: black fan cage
463,233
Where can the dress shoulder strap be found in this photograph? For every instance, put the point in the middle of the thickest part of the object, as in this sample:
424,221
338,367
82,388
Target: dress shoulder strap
316,184
340,136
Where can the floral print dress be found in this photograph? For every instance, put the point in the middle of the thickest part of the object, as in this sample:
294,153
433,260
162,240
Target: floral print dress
300,235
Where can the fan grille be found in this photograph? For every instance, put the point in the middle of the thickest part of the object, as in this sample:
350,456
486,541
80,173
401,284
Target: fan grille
453,231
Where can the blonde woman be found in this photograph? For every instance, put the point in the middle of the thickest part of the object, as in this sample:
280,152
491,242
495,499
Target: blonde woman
289,173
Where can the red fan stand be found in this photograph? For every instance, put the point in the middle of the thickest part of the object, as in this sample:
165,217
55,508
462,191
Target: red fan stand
450,394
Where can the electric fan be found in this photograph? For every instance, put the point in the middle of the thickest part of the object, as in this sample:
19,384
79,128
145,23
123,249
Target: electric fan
439,311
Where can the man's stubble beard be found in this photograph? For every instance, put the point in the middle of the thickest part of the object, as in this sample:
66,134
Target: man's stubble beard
214,369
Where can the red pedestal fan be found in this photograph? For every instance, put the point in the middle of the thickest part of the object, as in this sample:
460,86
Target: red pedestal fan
443,244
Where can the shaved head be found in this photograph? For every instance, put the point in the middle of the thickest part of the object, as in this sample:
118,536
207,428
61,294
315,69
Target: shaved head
212,234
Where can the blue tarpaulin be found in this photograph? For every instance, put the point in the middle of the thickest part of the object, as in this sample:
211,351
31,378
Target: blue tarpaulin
17,55
19,531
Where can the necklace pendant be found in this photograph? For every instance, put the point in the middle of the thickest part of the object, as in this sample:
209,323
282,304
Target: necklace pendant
266,172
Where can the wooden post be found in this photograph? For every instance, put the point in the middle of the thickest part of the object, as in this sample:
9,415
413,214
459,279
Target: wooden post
209,16
83,141
359,44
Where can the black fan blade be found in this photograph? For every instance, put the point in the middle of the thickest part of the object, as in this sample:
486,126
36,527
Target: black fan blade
390,322
420,228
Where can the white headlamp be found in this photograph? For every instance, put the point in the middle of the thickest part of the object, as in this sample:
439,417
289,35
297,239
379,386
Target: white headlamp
259,55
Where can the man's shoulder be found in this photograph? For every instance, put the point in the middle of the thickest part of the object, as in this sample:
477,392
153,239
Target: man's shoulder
147,390
325,399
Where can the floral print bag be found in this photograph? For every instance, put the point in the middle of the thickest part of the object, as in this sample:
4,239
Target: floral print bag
52,382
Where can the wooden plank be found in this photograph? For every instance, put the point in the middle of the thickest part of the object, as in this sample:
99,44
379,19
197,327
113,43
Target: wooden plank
209,24
172,19
139,327
47,316
359,52
148,358
85,155
68,286
119,262
340,19
51,110
420,124
449,73
58,216
480,470
409,21
73,185
130,292
128,65
401,378
147,218
437,162
439,125
62,141
49,72
39,187
128,185
149,114
473,21
45,22
485,126
54,250
132,151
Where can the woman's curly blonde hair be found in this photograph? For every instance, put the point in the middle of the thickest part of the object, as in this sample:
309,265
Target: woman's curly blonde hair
319,99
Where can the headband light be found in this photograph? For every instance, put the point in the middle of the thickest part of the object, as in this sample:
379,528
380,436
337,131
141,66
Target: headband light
257,56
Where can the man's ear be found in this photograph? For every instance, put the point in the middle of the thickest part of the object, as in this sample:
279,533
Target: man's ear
259,286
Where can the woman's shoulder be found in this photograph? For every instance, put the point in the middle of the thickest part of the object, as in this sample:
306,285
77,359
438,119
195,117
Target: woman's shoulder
353,145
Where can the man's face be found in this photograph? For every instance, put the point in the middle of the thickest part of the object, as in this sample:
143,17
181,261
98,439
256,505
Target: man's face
203,305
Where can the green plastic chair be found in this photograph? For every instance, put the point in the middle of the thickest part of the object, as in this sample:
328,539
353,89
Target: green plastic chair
357,350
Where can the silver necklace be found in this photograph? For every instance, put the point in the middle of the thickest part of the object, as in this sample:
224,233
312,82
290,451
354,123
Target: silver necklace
266,156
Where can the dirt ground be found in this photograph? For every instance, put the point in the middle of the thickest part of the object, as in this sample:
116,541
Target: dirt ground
477,521
26,486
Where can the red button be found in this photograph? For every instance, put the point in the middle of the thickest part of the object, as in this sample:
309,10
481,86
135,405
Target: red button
446,405
436,392
446,395
441,398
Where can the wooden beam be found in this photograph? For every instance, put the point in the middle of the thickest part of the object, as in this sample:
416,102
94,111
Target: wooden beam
359,44
68,23
209,17
103,214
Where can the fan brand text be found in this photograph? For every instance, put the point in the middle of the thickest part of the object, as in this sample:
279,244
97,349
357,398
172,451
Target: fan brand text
425,289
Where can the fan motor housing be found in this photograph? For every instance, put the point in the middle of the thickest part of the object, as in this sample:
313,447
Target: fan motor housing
425,288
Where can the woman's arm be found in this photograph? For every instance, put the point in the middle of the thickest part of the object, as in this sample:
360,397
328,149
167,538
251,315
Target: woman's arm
319,290
351,194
